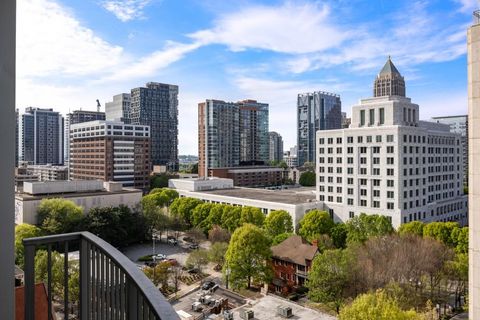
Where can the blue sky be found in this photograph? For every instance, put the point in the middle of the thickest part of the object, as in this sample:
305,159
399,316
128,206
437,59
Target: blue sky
72,52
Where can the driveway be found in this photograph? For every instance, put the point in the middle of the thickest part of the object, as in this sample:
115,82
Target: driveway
178,252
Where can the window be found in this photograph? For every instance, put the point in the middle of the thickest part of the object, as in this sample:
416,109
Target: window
350,170
351,214
330,140
362,117
363,149
363,192
390,205
376,160
376,171
376,149
382,116
378,138
339,140
321,141
376,182
372,117
349,139
350,180
350,150
390,138
390,183
350,191
390,160
363,203
389,172
369,139
376,204
363,170
359,139
390,149
349,160
376,193
350,201
390,194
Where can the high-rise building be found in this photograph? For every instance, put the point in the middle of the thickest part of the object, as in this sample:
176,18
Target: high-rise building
231,134
119,108
16,138
459,125
40,138
156,106
473,48
110,151
254,145
78,116
276,146
315,111
218,135
390,163
389,82
345,121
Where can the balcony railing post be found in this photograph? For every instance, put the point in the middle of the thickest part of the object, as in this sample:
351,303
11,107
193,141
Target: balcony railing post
132,303
29,282
84,279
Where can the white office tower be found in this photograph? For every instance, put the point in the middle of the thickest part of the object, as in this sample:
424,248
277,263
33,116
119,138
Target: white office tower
390,163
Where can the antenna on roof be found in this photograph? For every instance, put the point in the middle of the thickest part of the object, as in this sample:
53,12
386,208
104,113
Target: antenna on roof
98,106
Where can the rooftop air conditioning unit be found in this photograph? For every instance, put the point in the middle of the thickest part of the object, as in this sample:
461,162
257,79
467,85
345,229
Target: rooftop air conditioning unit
246,314
284,311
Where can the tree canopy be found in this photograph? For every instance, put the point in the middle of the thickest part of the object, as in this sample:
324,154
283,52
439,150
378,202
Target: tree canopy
378,306
414,227
183,208
441,231
307,179
247,256
278,222
252,215
24,231
314,223
57,216
363,227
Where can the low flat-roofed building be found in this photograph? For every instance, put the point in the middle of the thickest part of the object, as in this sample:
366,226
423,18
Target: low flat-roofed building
250,176
296,201
88,194
48,172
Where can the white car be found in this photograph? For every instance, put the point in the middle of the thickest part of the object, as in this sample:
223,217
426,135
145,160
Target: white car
159,256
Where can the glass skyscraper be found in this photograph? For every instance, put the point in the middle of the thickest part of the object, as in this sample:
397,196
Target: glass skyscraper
315,111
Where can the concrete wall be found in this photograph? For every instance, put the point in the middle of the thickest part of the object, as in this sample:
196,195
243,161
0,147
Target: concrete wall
200,184
26,210
474,168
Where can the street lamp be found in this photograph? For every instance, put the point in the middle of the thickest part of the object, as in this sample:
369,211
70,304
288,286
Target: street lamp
227,273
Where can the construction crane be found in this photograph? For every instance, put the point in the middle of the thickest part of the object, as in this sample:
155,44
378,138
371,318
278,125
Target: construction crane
98,106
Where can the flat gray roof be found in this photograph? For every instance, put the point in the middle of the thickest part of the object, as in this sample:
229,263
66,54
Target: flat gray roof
287,196
30,197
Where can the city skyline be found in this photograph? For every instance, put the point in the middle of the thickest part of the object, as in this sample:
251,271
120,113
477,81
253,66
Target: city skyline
125,44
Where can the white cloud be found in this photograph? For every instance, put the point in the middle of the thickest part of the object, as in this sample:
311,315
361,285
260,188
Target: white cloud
51,42
126,10
289,28
468,6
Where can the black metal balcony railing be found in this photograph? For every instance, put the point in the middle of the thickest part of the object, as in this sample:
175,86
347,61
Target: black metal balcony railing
111,286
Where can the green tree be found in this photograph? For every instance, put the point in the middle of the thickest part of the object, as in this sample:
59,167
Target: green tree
460,239
183,208
307,179
378,306
309,166
339,235
231,217
201,213
278,222
59,215
456,271
161,180
158,274
362,227
24,231
441,231
280,238
414,227
314,223
197,259
252,215
151,202
214,218
329,281
217,252
247,256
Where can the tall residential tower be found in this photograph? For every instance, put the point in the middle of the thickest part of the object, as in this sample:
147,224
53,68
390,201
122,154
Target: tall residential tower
276,146
40,136
156,106
315,111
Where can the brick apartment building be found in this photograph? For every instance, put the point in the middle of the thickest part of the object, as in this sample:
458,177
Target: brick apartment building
254,176
110,151
291,262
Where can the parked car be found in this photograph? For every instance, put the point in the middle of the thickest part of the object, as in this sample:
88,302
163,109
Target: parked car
159,256
193,246
208,285
173,241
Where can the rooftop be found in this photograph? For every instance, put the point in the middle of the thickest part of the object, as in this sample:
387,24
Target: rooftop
288,196
389,68
295,249
265,308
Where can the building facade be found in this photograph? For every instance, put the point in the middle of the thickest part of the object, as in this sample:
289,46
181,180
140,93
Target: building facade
458,125
110,151
473,48
232,134
156,106
291,262
254,141
315,111
40,137
119,108
87,194
78,116
290,159
48,172
276,146
250,176
390,163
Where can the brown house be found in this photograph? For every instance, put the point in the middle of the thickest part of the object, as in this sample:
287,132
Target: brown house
291,262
